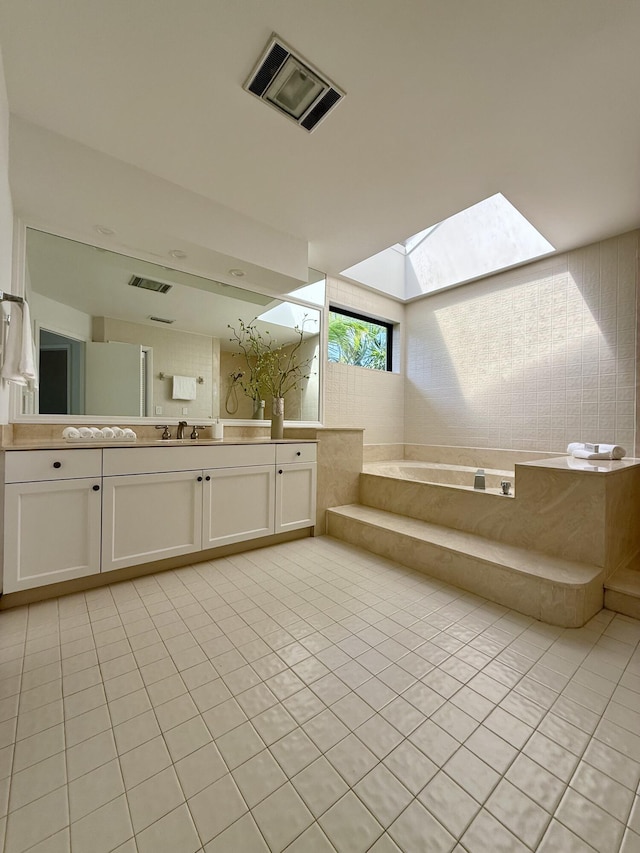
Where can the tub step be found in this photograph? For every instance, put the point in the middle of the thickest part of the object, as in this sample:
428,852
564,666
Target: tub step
557,591
622,591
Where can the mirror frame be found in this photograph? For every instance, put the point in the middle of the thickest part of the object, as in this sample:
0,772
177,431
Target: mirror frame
19,281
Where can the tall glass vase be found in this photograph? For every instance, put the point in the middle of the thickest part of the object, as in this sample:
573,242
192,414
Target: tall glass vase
277,417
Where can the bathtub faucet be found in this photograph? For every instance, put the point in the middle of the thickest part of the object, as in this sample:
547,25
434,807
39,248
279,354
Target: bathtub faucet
478,480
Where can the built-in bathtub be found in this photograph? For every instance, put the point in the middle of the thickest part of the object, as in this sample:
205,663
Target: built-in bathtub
439,473
545,551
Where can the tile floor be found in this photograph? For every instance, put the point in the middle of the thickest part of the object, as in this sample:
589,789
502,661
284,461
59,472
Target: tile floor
313,697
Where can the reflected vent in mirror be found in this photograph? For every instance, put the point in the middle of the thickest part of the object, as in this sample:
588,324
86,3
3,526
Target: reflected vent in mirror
162,320
149,284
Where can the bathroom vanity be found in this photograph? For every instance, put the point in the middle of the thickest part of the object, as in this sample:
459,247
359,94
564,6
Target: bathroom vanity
71,513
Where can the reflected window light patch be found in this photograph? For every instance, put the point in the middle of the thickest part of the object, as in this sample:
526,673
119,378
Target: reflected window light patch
292,316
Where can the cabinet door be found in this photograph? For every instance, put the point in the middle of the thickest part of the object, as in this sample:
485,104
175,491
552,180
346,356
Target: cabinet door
295,496
52,532
238,504
150,516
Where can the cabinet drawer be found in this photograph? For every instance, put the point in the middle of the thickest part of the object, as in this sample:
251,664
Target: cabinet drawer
286,453
148,460
24,466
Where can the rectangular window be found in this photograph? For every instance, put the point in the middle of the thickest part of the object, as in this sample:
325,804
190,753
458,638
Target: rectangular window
359,340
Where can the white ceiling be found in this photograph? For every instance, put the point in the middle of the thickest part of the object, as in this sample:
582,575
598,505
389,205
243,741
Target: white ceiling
448,102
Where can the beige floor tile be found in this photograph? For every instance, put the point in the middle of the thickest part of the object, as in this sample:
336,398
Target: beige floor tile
33,823
154,798
281,817
350,826
174,831
217,807
336,668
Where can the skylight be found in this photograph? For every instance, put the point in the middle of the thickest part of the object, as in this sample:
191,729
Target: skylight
483,239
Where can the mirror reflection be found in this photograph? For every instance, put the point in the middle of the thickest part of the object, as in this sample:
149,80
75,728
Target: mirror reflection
121,337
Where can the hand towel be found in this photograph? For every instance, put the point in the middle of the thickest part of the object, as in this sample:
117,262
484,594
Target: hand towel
27,354
184,387
18,363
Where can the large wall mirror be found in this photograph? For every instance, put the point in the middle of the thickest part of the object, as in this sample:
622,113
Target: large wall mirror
123,338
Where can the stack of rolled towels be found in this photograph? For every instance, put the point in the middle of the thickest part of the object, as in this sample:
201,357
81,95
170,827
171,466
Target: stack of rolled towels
96,434
586,450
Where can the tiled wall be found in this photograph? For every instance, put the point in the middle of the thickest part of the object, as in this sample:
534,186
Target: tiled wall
529,359
359,396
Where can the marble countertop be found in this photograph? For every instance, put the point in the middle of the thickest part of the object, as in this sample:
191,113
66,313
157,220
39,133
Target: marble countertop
570,463
40,444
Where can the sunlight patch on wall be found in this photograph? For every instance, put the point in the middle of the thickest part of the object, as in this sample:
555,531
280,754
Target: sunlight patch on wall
539,329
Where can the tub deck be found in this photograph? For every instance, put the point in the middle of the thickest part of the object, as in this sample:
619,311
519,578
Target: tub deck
439,473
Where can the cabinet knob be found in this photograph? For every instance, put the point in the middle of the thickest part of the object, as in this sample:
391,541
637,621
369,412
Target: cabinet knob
280,471
199,479
207,478
96,488
57,464
298,453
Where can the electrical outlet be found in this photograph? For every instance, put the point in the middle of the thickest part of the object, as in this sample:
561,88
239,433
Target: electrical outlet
158,410
185,410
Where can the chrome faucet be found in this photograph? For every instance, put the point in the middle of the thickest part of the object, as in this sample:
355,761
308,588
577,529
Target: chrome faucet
180,432
479,480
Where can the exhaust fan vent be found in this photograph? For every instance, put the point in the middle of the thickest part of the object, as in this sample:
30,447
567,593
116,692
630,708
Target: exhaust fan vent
292,85
149,284
162,320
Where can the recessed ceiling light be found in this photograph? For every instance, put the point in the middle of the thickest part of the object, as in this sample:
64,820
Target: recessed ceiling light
237,273
292,85
178,254
103,229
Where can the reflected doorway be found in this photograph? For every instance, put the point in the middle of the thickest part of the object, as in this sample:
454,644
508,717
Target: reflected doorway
61,374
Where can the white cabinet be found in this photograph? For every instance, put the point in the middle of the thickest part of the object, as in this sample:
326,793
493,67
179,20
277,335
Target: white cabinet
238,504
52,517
150,517
295,496
295,486
221,498
77,512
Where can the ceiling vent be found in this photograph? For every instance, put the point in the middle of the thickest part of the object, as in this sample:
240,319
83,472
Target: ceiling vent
149,284
162,320
292,85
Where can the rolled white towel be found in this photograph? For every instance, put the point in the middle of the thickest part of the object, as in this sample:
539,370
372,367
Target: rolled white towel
616,453
107,432
85,432
117,431
129,434
71,433
96,432
605,451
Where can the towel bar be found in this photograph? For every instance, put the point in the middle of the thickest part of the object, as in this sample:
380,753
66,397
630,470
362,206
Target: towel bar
10,297
162,375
